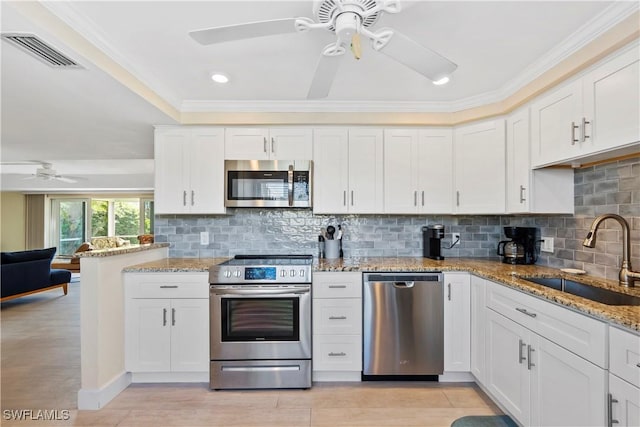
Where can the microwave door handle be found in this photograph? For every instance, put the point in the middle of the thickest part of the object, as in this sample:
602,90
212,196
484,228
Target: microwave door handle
290,182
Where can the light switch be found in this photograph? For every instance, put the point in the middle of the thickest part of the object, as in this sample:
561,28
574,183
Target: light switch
204,237
547,244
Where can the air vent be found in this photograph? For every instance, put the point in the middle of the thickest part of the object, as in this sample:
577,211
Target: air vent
38,48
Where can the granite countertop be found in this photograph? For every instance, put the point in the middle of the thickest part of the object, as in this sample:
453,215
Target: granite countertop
492,269
101,253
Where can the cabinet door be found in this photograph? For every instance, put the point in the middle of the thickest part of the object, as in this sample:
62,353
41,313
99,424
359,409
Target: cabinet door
566,390
435,170
149,336
625,403
290,143
206,169
612,103
189,335
478,328
457,322
330,170
400,171
171,184
553,138
518,168
246,144
480,168
506,362
365,171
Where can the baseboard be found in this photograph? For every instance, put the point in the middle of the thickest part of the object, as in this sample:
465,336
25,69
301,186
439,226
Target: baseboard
94,399
351,376
170,377
457,377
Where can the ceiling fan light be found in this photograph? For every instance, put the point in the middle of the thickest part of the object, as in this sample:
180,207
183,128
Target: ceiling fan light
441,81
220,78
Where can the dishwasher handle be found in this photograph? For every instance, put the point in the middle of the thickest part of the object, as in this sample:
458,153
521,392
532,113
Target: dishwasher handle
403,285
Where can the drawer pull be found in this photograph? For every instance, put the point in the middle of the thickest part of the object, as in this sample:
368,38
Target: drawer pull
638,365
337,286
337,317
168,286
341,354
524,311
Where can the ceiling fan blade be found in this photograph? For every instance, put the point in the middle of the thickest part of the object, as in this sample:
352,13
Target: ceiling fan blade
417,57
244,31
323,78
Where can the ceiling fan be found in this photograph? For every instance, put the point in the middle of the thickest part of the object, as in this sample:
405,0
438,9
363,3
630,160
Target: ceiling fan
46,172
348,20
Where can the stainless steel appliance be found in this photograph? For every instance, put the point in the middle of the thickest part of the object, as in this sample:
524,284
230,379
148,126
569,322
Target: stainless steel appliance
268,183
403,321
260,322
522,248
432,236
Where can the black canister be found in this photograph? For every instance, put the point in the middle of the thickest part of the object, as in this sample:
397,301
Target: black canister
431,238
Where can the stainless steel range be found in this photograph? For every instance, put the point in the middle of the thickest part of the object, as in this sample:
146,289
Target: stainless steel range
260,322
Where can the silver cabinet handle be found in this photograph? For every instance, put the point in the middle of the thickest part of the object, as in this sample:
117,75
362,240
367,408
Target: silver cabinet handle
422,197
184,198
164,317
521,357
264,144
337,317
529,362
273,145
290,184
449,291
573,133
638,365
415,198
173,317
332,354
351,197
524,311
168,286
522,189
337,286
583,130
611,401
344,198
193,197
457,198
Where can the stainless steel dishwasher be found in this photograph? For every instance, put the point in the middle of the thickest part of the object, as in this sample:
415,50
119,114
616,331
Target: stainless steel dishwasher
403,326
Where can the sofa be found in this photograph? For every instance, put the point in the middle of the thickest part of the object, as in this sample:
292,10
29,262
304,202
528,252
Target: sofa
27,272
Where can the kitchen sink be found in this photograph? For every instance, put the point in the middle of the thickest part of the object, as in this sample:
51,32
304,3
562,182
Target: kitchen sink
589,292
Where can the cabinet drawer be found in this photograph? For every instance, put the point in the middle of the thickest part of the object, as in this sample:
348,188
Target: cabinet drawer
337,353
167,285
337,316
576,332
337,285
624,355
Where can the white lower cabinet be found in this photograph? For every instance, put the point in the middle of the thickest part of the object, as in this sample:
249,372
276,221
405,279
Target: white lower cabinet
542,361
337,326
624,403
457,322
166,325
624,378
478,323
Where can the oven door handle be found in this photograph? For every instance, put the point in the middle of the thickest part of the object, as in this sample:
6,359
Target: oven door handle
259,292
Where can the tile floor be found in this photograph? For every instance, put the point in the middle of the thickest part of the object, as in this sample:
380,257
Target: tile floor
41,371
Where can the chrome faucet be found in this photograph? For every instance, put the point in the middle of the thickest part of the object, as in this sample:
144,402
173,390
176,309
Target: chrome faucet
626,276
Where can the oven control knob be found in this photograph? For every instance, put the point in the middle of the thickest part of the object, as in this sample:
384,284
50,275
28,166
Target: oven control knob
237,273
292,273
283,273
301,273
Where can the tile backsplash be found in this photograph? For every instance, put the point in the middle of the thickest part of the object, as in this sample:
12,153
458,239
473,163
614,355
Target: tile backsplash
607,188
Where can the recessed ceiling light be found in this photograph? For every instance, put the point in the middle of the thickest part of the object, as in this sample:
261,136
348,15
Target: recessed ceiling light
442,81
219,78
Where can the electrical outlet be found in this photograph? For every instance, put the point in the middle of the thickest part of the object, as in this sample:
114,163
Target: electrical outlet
547,244
455,237
204,237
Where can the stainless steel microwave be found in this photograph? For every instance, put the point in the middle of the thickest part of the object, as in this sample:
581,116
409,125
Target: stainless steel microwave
268,183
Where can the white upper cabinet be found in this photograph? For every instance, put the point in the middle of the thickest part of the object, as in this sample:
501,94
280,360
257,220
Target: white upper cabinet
596,113
418,170
189,170
479,168
348,170
538,191
290,143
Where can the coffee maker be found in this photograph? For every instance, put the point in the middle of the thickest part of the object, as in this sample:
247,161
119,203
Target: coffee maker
522,248
431,237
